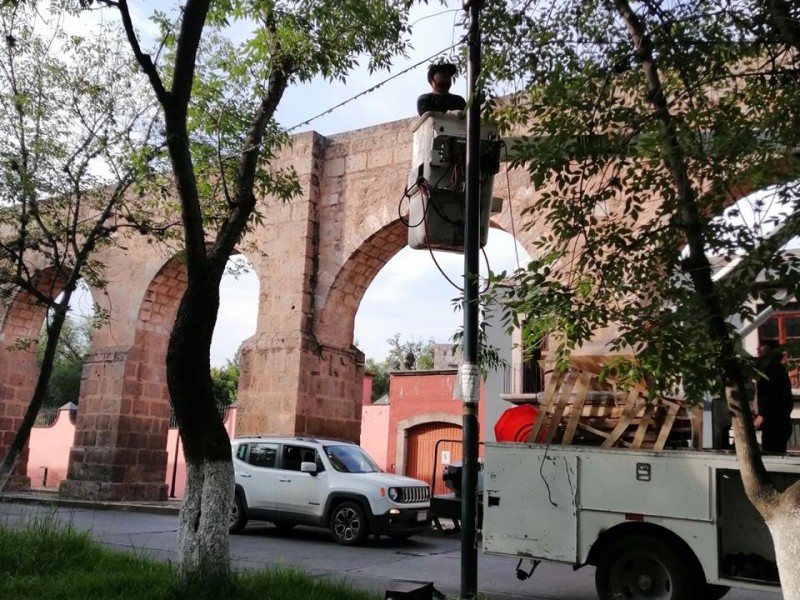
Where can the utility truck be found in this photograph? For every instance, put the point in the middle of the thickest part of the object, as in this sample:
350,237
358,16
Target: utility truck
667,525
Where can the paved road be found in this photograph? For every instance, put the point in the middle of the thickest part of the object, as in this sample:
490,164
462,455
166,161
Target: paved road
424,558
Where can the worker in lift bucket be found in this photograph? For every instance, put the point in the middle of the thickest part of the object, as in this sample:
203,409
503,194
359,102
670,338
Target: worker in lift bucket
440,76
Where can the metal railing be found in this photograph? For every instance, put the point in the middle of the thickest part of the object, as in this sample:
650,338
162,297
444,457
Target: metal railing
173,422
522,378
46,417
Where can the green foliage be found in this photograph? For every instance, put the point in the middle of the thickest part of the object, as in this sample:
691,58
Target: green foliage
46,560
75,122
624,181
225,381
245,49
73,344
219,81
411,354
75,128
380,378
489,358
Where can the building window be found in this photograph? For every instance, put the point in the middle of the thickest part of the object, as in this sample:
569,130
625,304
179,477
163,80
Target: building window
526,377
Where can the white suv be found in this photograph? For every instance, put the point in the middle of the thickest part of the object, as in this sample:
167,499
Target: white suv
327,483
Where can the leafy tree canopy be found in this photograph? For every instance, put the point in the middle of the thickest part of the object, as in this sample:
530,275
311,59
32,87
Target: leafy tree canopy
640,123
225,381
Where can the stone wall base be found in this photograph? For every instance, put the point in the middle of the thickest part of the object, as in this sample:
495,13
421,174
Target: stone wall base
18,483
115,492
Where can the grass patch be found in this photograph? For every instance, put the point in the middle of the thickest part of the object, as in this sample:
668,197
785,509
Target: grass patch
48,561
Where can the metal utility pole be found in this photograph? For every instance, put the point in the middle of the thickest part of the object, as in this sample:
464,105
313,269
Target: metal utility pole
469,372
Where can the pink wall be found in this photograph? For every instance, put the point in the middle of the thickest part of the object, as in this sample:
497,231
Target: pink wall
412,393
49,449
366,392
375,433
50,446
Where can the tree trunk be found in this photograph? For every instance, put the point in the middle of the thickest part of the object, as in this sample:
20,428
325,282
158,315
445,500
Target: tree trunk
203,523
784,525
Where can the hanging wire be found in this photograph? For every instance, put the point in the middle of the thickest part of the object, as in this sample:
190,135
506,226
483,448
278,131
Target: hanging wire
374,87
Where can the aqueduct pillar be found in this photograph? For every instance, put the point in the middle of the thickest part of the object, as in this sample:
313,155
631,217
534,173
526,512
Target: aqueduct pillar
120,451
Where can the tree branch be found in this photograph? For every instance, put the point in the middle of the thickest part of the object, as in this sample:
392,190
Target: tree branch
780,16
231,228
144,60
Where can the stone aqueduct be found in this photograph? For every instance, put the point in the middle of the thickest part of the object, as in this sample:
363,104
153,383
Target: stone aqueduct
300,372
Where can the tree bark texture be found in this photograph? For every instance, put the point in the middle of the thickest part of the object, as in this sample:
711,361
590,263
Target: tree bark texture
784,525
203,524
203,546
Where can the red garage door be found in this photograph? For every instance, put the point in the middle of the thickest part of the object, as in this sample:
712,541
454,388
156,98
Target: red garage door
420,459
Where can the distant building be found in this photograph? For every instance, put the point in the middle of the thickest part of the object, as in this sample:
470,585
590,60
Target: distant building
444,357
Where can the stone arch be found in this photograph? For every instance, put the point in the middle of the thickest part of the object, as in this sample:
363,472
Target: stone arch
354,277
405,425
122,425
20,327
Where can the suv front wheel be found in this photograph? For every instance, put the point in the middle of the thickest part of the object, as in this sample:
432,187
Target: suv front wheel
349,524
238,517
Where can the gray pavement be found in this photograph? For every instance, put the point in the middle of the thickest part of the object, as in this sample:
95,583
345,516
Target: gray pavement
49,496
151,528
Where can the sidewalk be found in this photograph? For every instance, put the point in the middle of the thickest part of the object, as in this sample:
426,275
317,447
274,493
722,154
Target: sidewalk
51,497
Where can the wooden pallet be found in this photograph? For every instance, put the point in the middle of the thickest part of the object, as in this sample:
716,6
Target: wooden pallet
567,416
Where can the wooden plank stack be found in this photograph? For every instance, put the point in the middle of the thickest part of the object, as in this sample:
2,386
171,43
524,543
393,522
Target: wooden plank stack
575,409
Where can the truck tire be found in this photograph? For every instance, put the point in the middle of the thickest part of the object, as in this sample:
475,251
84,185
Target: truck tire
644,567
349,524
238,515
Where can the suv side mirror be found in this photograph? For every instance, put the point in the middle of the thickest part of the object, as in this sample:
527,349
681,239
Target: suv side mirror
308,467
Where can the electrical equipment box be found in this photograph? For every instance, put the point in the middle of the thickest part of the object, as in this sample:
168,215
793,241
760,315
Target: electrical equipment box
437,182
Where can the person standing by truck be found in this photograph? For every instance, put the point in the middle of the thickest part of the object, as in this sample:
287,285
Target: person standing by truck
774,396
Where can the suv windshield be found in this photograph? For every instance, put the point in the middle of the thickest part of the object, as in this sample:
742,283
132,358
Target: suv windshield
350,459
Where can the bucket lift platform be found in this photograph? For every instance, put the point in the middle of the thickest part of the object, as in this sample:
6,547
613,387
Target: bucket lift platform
438,181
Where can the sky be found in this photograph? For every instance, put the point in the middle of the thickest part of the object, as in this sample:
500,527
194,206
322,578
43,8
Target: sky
409,295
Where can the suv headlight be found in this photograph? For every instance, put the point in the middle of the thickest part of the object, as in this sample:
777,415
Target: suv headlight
394,494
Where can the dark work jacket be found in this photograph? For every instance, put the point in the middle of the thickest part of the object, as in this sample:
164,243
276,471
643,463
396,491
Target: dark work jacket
775,401
439,103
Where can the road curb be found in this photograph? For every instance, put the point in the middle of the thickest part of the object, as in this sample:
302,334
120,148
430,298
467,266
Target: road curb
168,507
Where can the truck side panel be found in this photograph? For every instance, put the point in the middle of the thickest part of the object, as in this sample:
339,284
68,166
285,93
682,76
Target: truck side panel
658,485
530,504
